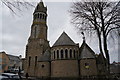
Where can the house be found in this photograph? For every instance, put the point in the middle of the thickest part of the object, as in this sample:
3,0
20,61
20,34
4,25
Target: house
4,62
14,62
9,62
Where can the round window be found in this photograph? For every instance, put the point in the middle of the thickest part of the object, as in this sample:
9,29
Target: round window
43,65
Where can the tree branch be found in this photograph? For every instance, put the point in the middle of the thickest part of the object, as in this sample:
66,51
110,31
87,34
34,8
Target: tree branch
111,30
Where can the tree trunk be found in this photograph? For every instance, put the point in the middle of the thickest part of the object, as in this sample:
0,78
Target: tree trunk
106,53
104,38
100,42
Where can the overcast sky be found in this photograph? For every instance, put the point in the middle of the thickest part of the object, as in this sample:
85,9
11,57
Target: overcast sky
15,29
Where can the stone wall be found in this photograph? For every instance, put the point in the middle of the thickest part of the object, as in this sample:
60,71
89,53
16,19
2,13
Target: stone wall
88,67
43,69
64,68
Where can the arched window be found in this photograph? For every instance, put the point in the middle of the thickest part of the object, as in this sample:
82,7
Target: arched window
35,60
77,53
57,53
40,16
54,54
35,32
66,53
61,53
29,60
45,17
74,53
70,53
35,16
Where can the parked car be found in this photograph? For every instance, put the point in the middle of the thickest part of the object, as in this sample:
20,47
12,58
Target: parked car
3,77
10,76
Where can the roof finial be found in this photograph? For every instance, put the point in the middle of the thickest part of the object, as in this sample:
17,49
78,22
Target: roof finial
83,36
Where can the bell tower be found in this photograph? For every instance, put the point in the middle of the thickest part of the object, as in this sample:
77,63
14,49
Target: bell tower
39,27
37,42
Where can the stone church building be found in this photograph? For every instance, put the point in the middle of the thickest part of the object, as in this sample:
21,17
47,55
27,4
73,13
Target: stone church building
64,59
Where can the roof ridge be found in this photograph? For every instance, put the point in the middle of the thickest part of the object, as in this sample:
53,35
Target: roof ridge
64,39
12,55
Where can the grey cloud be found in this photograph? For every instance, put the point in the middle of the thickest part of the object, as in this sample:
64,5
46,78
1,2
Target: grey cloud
16,30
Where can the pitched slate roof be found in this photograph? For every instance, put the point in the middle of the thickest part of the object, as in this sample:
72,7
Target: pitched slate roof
40,7
86,51
13,58
64,39
45,57
41,4
2,52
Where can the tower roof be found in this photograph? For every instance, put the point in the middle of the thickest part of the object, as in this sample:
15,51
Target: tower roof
41,4
86,51
64,39
46,56
40,7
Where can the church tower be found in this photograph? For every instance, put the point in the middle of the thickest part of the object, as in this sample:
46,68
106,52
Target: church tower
39,27
37,42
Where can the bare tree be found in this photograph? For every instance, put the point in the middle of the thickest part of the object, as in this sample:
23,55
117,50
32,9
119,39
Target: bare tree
102,18
15,5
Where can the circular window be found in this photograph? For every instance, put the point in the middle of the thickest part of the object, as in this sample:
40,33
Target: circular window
43,65
87,65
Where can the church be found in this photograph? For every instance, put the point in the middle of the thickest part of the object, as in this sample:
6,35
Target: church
64,58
